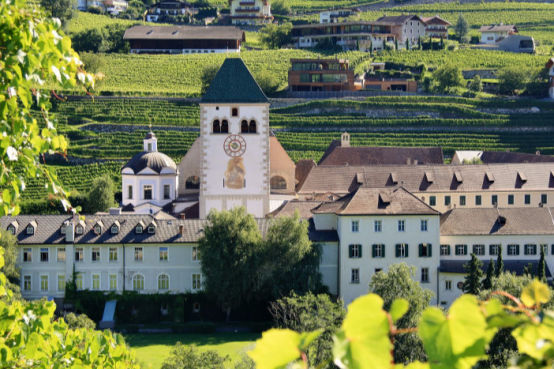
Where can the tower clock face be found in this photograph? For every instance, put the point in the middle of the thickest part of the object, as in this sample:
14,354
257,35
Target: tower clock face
234,146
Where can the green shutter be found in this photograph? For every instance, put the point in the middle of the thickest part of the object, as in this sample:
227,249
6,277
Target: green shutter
383,250
465,249
397,250
429,250
534,249
360,250
374,250
517,249
350,251
407,250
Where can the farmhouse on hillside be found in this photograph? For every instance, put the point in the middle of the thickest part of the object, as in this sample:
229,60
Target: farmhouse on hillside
321,75
250,12
436,27
167,9
496,33
184,39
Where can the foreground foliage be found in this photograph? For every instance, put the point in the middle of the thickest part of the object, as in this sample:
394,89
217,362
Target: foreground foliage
458,339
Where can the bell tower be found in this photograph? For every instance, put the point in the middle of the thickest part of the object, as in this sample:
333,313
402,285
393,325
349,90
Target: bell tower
234,130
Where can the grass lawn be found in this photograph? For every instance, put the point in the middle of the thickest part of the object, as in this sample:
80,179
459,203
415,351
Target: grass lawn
152,349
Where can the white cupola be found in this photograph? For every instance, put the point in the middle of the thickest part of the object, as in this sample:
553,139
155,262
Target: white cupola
150,142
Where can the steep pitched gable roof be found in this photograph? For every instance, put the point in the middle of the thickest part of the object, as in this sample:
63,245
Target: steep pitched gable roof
234,83
337,155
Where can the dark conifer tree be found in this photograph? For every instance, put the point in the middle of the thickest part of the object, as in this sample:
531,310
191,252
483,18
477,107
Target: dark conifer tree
472,281
499,262
487,282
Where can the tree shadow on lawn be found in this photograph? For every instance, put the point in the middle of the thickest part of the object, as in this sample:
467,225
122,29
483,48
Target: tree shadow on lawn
170,339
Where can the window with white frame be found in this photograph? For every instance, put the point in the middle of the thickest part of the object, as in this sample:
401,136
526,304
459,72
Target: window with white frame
448,285
95,282
138,282
130,192
163,254
79,229
513,250
60,254
355,275
355,226
445,250
139,229
44,283
163,282
97,229
151,229
378,251
78,254
113,282
79,281
479,249
61,282
114,229
530,249
196,281
195,255
27,255
44,254
401,225
30,230
461,249
138,253
113,254
355,251
494,250
378,226
27,283
424,225
424,275
167,192
95,254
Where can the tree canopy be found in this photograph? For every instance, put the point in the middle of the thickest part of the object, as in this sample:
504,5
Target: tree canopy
274,36
101,194
256,269
398,282
472,280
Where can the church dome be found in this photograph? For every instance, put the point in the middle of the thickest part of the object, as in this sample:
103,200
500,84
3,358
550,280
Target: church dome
154,160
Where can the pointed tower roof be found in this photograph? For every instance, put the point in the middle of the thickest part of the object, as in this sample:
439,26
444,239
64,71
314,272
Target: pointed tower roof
234,83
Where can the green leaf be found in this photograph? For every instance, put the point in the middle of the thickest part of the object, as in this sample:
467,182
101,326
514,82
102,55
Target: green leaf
276,349
398,308
458,341
534,294
363,341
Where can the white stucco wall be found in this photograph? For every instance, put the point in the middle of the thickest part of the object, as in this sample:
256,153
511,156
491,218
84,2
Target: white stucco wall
390,236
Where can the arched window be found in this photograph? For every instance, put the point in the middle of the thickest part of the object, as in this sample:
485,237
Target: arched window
216,127
224,126
192,183
252,127
163,282
244,127
138,282
278,183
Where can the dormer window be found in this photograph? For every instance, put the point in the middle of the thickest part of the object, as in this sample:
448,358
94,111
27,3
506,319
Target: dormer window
11,229
30,230
98,228
152,229
79,229
139,229
115,228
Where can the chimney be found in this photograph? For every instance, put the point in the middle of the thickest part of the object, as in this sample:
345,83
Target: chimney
182,216
70,231
345,140
115,211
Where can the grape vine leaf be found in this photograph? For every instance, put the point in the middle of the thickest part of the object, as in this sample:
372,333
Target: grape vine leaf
535,294
279,347
459,340
398,308
363,341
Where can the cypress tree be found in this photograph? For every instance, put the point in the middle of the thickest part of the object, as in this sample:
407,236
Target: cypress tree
541,272
487,282
472,281
499,262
